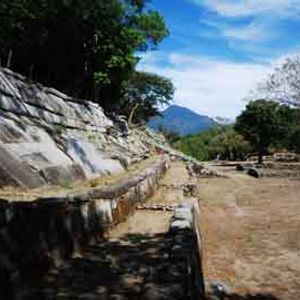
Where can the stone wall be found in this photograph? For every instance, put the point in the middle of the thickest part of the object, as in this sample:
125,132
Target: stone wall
42,233
185,245
47,137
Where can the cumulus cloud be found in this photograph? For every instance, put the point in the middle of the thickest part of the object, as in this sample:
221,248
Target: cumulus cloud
209,86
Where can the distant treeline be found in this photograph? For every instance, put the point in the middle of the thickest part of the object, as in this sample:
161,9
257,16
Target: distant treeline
263,127
221,141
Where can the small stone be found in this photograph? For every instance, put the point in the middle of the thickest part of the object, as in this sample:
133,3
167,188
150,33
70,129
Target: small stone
183,213
117,297
240,167
180,224
254,172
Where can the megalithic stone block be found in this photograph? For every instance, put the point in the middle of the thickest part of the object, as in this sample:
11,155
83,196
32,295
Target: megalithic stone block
15,173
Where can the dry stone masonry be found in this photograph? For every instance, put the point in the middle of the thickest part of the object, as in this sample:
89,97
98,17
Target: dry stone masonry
37,235
47,137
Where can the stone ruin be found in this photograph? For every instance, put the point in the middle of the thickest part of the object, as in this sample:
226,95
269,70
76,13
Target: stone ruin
47,137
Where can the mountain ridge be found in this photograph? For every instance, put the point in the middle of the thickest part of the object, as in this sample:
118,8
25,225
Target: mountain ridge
182,121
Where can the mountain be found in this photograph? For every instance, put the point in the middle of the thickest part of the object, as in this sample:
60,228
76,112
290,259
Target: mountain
182,121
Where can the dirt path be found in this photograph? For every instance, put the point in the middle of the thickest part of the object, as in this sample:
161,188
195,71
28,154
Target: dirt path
156,222
251,232
133,263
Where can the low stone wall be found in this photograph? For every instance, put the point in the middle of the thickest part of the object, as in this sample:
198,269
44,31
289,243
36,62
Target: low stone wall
42,233
186,248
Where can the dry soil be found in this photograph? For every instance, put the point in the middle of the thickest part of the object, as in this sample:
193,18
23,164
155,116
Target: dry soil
251,235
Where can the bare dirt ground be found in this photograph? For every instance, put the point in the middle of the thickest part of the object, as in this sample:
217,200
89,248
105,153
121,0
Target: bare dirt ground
251,235
156,222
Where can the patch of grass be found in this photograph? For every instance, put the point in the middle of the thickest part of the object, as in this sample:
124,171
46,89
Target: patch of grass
94,183
135,238
66,185
59,129
91,137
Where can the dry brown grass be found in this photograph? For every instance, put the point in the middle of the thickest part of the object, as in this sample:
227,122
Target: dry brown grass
251,232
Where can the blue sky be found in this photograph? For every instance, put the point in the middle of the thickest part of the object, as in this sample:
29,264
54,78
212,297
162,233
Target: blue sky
219,49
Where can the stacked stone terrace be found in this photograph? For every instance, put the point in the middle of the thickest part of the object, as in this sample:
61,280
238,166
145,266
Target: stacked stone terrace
47,137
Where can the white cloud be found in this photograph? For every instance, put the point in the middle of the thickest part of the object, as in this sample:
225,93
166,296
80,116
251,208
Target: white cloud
244,8
255,32
210,86
217,87
264,18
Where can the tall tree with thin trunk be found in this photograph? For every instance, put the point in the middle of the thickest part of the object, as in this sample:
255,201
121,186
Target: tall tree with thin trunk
145,94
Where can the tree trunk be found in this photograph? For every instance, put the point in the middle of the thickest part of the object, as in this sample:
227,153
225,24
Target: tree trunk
260,153
132,114
8,62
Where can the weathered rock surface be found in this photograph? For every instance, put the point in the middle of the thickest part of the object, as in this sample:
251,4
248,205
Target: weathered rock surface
186,246
143,258
40,234
254,172
47,137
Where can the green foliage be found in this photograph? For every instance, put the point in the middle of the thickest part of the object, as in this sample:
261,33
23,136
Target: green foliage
59,129
135,238
85,48
228,144
66,185
94,183
259,123
146,92
265,123
294,141
222,141
289,131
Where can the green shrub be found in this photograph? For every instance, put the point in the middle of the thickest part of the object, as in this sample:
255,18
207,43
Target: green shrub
222,141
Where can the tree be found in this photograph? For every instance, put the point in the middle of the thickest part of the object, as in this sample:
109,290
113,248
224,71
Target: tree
283,85
85,48
289,130
260,124
294,141
229,145
145,94
220,140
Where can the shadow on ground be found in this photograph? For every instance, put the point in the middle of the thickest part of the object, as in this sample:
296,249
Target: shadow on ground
251,297
136,267
259,296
